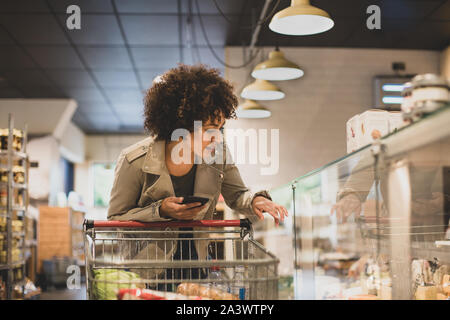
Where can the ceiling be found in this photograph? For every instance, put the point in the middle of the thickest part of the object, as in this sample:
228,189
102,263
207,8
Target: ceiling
124,44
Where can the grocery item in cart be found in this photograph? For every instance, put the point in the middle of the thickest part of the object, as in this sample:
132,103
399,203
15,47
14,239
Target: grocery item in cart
194,289
147,294
107,282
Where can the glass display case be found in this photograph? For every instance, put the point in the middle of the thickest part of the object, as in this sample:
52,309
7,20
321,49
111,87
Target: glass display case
375,224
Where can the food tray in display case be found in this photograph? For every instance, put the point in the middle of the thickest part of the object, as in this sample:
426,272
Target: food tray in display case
375,224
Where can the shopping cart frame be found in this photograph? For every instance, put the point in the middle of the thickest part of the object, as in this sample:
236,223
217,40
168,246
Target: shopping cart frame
240,231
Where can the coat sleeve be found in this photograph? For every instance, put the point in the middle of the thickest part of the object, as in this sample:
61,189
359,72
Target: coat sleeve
125,194
236,195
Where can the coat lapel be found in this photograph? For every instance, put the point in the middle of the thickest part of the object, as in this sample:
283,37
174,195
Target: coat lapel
155,164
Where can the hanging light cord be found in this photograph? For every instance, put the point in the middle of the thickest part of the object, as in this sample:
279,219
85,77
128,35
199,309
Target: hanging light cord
258,23
252,57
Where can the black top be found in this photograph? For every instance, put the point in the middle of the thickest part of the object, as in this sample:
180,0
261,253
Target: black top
184,185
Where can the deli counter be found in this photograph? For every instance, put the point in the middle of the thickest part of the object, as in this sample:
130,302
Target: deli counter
375,223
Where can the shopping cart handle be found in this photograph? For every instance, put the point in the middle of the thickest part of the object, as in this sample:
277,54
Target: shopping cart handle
242,223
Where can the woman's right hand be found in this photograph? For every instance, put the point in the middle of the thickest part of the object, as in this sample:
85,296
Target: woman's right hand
171,207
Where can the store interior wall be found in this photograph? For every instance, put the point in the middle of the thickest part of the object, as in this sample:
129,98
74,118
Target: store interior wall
311,119
445,63
99,149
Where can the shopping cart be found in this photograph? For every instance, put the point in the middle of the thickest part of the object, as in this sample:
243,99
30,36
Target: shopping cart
125,258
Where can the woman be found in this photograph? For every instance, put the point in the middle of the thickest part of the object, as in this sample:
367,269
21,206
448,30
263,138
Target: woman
151,181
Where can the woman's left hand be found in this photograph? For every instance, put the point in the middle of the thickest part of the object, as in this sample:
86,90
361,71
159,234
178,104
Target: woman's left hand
261,204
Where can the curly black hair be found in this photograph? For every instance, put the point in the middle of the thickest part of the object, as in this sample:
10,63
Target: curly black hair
185,94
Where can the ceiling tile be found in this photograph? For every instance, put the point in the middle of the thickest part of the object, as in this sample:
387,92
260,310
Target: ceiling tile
204,56
55,56
215,29
104,121
84,94
81,120
147,76
408,9
147,30
208,6
116,78
86,6
147,6
14,57
132,121
34,28
9,92
23,6
26,77
125,95
94,107
127,109
442,12
106,57
71,78
5,39
96,29
42,92
155,58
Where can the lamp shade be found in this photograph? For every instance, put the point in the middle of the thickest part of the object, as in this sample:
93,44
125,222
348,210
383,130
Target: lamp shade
277,68
301,18
252,110
262,90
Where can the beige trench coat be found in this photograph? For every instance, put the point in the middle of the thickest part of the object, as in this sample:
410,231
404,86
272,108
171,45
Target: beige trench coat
142,181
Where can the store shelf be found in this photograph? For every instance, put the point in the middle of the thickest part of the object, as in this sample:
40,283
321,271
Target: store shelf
16,154
13,265
14,208
14,185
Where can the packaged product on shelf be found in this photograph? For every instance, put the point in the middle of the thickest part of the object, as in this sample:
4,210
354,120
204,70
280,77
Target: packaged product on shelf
353,134
17,139
373,124
3,199
364,297
2,224
430,92
4,139
19,174
428,292
395,121
3,257
446,284
17,225
3,175
407,102
421,273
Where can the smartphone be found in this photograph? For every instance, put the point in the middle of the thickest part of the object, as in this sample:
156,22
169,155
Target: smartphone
192,199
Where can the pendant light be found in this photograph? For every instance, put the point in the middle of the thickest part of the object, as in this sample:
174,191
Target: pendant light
262,90
277,68
301,18
250,109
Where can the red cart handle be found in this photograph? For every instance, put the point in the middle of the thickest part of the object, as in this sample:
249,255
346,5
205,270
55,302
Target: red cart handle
242,223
